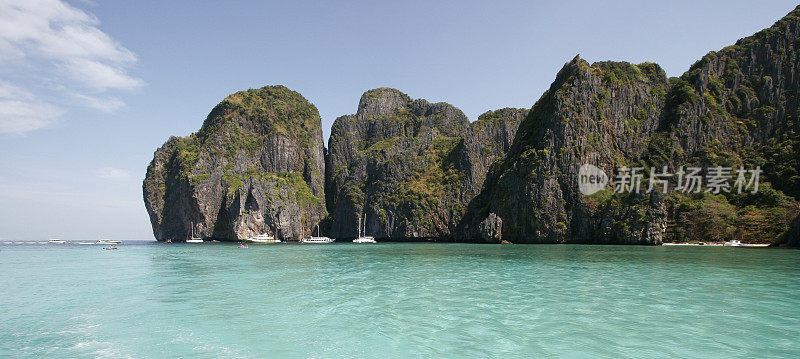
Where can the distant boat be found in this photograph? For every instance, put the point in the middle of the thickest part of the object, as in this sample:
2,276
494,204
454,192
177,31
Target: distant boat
361,235
733,243
111,247
108,241
263,238
190,238
317,240
243,246
87,243
56,241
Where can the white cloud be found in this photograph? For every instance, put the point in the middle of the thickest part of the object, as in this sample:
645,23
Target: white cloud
21,111
21,117
113,173
100,76
105,104
52,45
55,29
10,91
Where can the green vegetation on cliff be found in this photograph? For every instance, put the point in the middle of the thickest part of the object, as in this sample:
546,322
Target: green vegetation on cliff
621,73
429,186
751,218
278,111
493,117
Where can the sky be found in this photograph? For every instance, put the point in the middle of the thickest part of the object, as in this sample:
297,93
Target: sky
90,89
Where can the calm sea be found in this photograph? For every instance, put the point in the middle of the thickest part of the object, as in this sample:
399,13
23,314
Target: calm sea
398,300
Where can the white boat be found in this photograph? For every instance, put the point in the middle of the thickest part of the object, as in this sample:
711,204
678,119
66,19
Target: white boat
733,243
317,240
361,234
366,239
263,238
190,238
56,241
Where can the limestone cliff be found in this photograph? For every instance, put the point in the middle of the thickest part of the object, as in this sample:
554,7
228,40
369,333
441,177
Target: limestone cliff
256,166
411,166
736,107
602,114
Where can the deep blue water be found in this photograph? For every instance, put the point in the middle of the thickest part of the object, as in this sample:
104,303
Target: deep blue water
398,300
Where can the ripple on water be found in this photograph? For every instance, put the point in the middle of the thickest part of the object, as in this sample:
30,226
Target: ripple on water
397,300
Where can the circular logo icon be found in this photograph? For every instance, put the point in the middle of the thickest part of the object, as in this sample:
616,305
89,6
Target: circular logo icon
591,179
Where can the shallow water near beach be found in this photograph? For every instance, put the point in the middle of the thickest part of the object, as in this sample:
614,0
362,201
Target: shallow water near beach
397,299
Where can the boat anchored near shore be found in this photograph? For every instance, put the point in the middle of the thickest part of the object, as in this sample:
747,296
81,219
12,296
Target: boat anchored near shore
262,238
317,240
190,238
362,238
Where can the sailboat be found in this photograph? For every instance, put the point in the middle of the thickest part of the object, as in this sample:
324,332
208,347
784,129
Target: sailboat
317,240
361,234
190,238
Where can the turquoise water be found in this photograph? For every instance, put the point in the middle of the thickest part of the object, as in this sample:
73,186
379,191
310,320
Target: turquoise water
397,300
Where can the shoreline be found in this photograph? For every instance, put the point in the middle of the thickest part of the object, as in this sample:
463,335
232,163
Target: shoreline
680,244
716,244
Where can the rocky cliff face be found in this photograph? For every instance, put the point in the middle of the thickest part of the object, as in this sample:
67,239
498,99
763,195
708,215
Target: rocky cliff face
256,166
742,100
409,165
793,235
601,114
735,107
488,140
